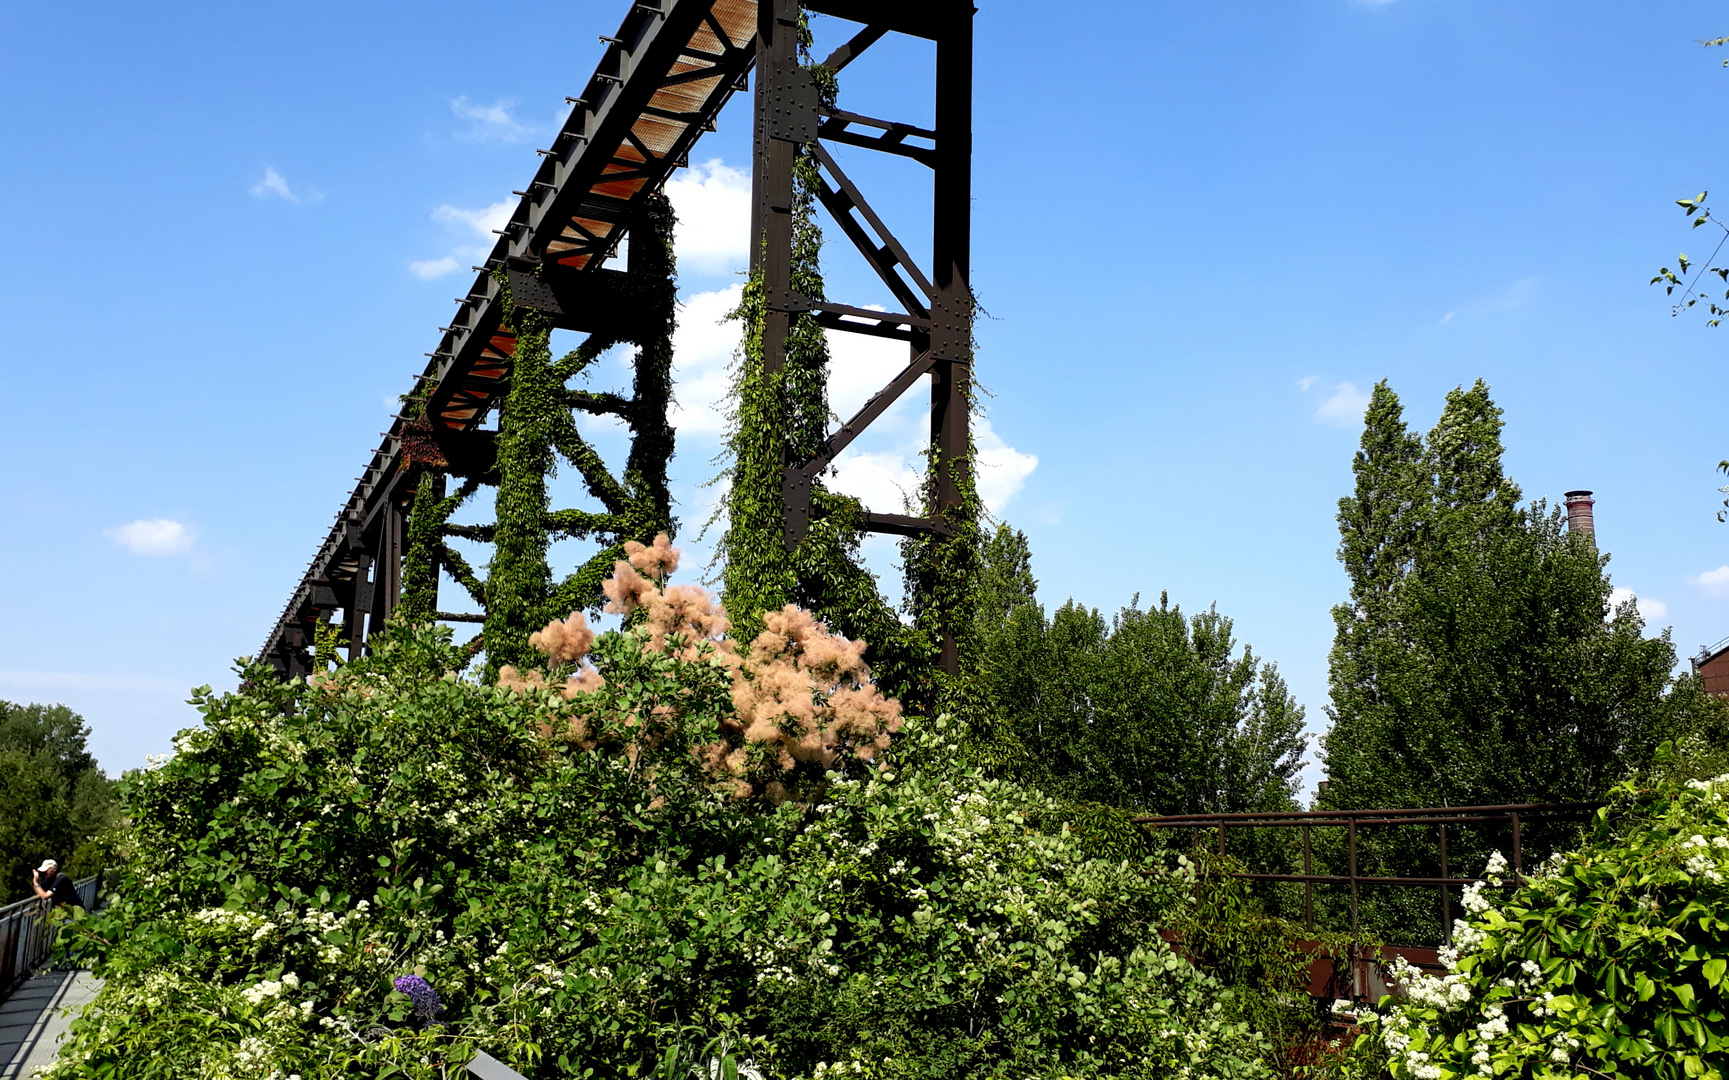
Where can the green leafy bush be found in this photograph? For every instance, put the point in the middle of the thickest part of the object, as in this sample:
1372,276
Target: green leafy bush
1610,961
563,866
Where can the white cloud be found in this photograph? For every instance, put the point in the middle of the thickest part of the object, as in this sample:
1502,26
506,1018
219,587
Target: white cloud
489,123
713,205
882,481
884,465
431,268
1307,381
859,366
1002,470
1650,610
274,184
157,537
1344,408
480,223
702,350
1713,582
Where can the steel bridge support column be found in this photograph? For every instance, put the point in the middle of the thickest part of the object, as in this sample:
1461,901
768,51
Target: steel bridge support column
952,306
772,162
792,122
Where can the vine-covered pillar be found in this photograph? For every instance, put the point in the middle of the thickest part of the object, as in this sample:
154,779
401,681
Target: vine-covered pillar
780,446
420,554
784,355
654,283
953,495
518,578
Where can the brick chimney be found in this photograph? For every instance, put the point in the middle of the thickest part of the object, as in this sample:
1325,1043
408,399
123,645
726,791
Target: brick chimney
1579,518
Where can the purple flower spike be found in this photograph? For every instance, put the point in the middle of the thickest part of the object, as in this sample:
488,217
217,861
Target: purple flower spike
425,998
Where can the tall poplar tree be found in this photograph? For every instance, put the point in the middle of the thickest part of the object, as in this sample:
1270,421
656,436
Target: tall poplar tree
1477,659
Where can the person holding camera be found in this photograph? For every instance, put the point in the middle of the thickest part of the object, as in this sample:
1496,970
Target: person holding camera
49,882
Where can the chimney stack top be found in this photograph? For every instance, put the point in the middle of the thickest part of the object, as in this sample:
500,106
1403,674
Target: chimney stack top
1580,518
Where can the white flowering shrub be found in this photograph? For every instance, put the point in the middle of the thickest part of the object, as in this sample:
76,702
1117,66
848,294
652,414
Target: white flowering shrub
1608,961
381,872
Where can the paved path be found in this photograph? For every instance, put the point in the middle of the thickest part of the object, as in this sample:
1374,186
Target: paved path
35,1018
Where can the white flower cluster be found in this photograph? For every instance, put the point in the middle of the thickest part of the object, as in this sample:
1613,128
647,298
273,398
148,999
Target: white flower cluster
1452,991
1702,862
183,743
1443,992
253,1051
1396,1036
225,919
1496,867
1709,788
270,988
1467,939
1562,1050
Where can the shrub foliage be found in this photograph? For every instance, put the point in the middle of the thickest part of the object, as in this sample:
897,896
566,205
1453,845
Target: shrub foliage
577,887
1610,962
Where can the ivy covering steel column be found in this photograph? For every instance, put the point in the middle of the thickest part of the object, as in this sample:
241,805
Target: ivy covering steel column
536,430
796,112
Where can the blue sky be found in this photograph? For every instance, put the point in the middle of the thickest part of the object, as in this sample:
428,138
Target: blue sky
1202,233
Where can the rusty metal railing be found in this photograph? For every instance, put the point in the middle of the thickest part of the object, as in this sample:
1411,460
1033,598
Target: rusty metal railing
25,938
1514,815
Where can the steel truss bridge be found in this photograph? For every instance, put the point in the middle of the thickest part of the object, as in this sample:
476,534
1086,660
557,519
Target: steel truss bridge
663,80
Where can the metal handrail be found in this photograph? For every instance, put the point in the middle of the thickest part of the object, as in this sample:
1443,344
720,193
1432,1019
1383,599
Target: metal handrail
1437,817
25,939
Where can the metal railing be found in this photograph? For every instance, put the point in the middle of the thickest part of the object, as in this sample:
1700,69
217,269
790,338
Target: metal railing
1513,815
26,939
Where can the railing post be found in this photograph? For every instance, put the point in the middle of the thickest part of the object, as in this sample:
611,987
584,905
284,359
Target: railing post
1308,886
1351,843
1518,853
1446,899
1221,838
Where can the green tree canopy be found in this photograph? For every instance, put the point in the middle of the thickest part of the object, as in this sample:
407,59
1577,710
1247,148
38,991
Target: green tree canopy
1478,660
53,798
1151,710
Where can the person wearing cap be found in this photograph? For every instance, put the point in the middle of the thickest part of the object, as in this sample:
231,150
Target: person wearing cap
59,886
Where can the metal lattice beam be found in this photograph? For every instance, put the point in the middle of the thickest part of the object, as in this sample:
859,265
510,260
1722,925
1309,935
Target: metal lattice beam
663,79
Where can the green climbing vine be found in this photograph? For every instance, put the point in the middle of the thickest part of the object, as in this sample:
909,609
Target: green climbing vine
781,417
536,431
518,580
